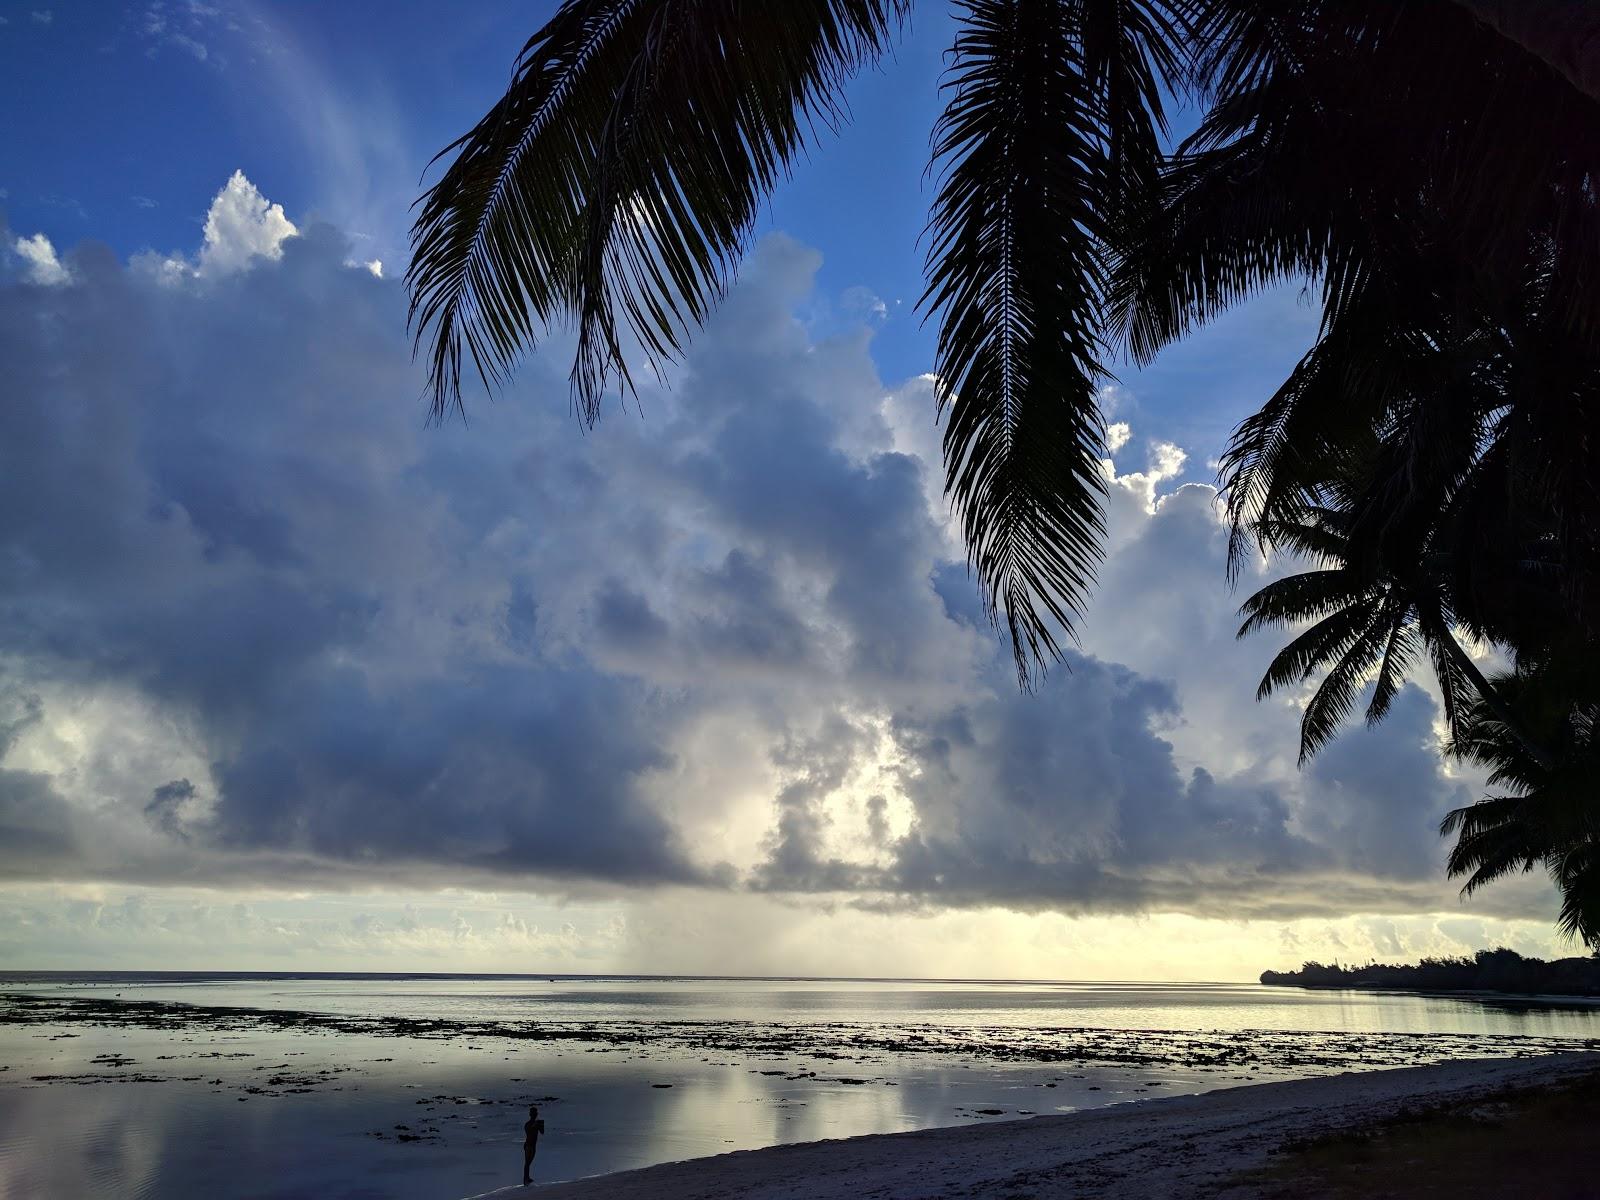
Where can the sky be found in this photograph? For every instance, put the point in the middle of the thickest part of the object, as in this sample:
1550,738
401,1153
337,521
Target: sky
291,679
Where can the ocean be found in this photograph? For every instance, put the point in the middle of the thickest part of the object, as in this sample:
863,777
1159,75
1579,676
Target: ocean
154,1085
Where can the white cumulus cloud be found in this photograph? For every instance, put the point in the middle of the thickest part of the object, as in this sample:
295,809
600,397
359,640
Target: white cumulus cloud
242,225
275,634
43,265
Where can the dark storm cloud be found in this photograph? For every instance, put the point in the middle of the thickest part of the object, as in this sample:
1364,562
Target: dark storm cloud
36,830
36,827
339,647
1379,800
165,809
505,770
192,510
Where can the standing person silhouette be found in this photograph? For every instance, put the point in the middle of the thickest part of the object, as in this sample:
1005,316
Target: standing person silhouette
530,1142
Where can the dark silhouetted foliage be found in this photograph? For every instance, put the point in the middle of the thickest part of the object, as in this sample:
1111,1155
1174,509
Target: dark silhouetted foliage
1432,167
1498,970
615,186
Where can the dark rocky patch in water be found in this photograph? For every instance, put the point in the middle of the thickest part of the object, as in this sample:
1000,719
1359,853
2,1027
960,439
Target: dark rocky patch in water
1240,1053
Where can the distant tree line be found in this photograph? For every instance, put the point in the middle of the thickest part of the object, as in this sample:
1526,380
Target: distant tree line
1499,970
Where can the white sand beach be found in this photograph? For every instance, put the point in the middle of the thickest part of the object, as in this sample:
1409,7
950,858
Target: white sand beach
1183,1146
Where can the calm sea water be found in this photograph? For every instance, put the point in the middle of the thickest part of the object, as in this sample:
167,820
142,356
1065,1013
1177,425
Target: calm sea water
632,1071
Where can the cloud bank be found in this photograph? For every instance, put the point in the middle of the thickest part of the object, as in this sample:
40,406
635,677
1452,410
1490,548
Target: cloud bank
259,626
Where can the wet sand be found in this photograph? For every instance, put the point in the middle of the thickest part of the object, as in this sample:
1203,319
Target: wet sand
1183,1147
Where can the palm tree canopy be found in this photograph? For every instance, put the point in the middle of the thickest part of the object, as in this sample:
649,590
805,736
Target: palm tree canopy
1432,166
1563,35
615,186
1548,814
1360,627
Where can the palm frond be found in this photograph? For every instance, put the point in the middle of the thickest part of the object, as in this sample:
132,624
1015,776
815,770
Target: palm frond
1464,692
1049,126
1496,837
1482,738
1399,652
1308,596
1232,222
1324,643
616,183
1315,532
1576,872
1551,816
1348,669
705,123
1316,435
496,237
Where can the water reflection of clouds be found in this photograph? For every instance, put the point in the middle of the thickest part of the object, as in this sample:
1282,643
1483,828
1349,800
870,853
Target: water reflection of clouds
465,1094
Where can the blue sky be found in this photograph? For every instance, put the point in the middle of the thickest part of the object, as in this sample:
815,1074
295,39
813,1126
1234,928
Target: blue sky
135,113
289,678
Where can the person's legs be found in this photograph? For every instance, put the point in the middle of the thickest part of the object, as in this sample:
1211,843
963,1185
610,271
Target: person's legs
527,1164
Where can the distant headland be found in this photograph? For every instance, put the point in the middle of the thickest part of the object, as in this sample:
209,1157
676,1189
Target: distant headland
1499,970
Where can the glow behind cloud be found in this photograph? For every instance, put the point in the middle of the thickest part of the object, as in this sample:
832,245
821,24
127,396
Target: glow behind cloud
289,676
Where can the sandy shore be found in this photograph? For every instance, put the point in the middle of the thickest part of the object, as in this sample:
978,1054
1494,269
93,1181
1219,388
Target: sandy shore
1185,1146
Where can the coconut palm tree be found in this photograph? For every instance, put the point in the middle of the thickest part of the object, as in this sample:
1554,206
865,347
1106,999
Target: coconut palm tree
616,184
1362,627
1548,815
1434,464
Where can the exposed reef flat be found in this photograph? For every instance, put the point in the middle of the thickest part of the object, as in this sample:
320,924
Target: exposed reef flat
838,1041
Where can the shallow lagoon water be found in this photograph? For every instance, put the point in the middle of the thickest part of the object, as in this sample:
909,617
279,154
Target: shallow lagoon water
268,1107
